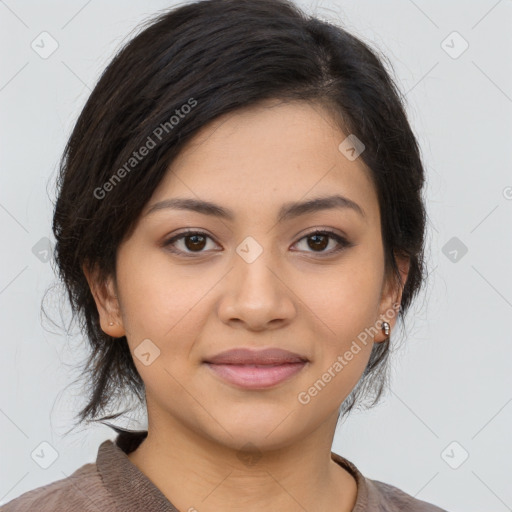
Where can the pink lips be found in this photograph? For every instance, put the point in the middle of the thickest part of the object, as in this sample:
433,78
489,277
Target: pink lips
253,369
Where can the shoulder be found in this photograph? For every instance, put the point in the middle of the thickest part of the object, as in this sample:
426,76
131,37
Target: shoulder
374,495
82,491
394,499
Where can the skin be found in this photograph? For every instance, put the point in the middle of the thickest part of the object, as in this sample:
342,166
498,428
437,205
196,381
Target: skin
295,295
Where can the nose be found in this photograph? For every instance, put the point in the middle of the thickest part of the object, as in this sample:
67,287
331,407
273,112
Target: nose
257,294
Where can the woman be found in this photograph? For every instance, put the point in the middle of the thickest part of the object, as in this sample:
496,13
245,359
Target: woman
239,226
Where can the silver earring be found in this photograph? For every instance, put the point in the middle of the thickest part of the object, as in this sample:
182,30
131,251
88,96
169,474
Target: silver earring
385,328
111,323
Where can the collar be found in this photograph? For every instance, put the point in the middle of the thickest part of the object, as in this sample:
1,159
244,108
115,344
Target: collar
133,491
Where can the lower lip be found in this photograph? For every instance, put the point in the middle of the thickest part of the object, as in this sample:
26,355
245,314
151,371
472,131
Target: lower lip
256,377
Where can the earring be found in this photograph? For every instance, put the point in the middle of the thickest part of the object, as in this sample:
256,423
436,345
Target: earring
385,328
111,323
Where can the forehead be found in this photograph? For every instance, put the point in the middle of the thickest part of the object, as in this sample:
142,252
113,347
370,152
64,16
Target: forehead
266,155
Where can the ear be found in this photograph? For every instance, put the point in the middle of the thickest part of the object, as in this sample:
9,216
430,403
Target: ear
107,303
391,297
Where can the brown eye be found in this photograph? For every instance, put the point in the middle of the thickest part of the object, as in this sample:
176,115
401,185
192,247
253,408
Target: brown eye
191,242
318,241
195,242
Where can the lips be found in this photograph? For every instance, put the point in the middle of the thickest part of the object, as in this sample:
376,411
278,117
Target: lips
244,356
251,369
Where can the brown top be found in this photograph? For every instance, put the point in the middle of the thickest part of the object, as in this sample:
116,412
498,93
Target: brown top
114,483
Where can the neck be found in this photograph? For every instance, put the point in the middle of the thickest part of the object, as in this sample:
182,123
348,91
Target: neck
195,473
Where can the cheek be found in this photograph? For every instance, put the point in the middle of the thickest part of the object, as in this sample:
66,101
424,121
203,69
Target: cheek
343,305
150,301
166,307
345,298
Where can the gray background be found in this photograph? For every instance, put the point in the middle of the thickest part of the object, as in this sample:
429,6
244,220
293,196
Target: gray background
451,381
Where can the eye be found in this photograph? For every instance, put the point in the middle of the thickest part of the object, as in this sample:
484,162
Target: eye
196,241
193,242
320,240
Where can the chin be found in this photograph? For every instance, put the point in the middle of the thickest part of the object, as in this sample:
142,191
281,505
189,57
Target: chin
260,432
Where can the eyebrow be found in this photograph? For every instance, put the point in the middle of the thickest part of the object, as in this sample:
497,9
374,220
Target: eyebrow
287,212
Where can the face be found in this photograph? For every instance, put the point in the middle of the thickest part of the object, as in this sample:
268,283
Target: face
309,282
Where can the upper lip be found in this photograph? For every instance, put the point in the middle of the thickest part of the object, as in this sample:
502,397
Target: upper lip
250,356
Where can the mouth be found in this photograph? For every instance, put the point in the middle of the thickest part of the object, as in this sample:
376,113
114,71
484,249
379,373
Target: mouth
251,376
260,369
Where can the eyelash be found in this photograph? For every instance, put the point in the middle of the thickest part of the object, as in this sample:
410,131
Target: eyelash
342,242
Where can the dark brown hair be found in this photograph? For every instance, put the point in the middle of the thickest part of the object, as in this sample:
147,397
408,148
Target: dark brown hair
184,69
